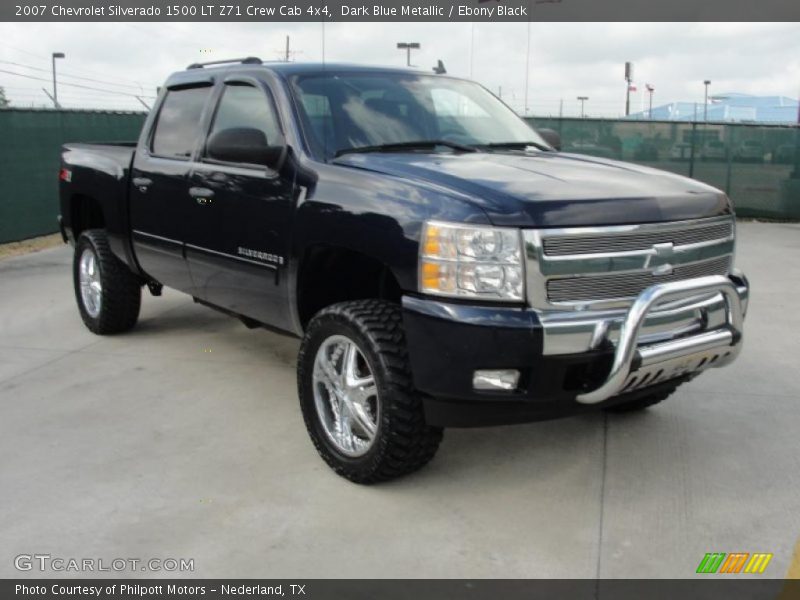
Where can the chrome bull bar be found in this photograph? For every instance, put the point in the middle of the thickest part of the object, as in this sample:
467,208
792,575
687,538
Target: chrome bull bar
629,358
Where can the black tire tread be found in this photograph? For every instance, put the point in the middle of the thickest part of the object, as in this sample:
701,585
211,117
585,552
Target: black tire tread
643,402
122,289
408,442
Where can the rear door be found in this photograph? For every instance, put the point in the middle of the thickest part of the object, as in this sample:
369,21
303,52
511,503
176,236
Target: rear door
238,232
159,199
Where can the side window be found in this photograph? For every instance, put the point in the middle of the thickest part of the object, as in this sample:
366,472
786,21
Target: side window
178,121
245,106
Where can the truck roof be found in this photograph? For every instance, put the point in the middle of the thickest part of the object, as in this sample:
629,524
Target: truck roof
202,72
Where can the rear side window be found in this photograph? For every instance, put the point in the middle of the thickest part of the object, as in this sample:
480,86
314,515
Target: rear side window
244,106
178,122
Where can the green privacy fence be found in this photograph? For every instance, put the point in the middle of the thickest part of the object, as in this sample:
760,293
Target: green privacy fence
30,141
758,166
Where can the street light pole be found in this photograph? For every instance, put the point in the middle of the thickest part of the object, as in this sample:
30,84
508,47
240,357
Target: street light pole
650,90
707,82
628,81
408,47
796,173
582,100
55,87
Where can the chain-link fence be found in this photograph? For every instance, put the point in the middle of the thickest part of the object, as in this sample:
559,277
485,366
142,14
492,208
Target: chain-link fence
758,166
30,144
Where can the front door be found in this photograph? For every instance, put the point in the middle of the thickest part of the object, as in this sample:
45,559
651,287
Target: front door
238,234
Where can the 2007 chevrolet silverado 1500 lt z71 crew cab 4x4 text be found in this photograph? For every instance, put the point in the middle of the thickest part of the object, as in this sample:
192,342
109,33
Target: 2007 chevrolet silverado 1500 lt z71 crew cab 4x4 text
444,265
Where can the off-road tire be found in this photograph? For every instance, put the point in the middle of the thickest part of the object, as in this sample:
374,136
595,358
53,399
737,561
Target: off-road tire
643,402
404,442
121,289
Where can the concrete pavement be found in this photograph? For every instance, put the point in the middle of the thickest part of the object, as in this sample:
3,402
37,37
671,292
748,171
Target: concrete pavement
184,439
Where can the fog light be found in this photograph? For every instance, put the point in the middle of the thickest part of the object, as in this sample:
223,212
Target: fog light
495,379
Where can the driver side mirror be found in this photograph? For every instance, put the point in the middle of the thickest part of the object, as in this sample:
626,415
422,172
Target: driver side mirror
551,136
243,145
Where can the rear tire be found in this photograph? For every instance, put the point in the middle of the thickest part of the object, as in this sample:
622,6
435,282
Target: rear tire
372,432
109,295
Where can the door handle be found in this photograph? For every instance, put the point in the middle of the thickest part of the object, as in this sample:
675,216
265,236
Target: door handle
201,194
142,183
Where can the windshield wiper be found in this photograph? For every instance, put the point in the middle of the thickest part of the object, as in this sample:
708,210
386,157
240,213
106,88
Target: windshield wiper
415,145
517,146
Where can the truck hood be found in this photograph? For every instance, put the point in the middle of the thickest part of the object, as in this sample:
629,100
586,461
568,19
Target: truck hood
553,189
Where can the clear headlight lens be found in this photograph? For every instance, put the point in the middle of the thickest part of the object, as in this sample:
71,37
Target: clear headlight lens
472,261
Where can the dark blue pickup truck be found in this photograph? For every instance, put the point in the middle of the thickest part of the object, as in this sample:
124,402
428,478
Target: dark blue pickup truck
444,264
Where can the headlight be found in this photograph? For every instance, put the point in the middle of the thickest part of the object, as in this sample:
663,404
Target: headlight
471,261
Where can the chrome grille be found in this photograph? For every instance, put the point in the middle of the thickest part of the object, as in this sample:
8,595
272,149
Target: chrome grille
560,246
605,267
608,287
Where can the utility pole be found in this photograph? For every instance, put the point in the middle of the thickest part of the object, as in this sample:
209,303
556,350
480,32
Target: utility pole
796,173
650,90
55,86
471,49
527,66
287,54
582,100
707,82
408,47
628,81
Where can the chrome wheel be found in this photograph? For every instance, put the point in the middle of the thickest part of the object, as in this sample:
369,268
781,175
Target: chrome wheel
346,396
91,285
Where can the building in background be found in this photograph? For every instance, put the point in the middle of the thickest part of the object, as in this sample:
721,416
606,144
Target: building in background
730,108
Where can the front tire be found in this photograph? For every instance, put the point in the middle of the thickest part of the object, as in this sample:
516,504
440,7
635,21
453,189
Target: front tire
642,403
109,295
358,403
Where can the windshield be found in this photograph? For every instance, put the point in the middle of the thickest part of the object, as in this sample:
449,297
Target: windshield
344,111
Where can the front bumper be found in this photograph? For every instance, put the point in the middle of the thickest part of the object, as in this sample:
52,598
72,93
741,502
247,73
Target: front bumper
569,361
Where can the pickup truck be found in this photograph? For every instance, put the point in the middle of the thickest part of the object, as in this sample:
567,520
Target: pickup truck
444,264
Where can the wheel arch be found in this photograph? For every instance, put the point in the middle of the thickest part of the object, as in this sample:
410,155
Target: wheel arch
329,273
86,212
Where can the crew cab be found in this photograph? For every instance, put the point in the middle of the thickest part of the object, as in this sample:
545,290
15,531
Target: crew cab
444,264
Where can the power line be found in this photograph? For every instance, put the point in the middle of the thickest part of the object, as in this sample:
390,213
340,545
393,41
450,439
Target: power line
76,85
60,74
46,59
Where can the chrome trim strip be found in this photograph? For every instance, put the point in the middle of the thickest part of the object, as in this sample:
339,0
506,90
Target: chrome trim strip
613,230
627,348
157,237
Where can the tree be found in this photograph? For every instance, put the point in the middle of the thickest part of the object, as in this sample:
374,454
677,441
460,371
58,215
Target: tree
3,100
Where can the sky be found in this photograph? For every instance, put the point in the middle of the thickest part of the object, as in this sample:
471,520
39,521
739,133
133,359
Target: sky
566,60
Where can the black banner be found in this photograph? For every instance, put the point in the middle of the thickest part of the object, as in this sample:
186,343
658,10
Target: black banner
714,586
397,10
